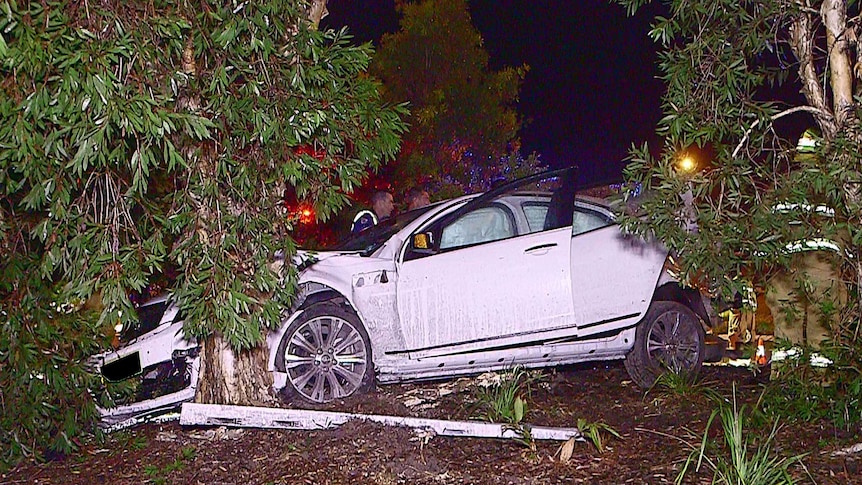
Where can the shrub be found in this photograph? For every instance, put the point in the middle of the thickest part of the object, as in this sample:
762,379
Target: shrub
44,380
802,392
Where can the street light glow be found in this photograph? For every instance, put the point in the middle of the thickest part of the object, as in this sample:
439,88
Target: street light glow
686,164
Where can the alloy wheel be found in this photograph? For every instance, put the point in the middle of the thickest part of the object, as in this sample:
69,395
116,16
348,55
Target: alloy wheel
673,342
326,358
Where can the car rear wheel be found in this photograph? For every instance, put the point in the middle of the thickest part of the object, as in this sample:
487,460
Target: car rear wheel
670,338
326,355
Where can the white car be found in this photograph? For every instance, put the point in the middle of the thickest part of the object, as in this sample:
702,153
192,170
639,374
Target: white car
531,274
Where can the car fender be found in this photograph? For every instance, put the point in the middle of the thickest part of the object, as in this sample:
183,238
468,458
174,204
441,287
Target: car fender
690,297
310,293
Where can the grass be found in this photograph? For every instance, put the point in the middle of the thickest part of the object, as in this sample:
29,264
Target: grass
504,402
123,440
741,462
683,385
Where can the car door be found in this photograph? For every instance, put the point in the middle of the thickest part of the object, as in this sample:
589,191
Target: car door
613,275
496,272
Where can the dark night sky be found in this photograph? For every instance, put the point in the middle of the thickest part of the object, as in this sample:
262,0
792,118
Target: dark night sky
591,90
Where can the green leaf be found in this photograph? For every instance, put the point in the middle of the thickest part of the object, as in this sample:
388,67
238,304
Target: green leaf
519,409
116,164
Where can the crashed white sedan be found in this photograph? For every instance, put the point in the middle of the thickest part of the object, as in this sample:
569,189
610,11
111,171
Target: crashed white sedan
531,274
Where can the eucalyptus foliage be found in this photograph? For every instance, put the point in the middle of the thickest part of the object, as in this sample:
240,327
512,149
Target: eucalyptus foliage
733,72
44,398
139,139
746,81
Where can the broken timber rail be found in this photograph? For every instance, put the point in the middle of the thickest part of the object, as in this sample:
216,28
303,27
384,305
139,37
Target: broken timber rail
303,419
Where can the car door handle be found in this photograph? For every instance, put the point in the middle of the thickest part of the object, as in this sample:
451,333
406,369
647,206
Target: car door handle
540,247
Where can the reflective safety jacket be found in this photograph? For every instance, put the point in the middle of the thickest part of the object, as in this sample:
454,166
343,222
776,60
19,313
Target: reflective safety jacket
363,220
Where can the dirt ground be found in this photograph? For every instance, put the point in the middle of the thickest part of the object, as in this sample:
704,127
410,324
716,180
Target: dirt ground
657,429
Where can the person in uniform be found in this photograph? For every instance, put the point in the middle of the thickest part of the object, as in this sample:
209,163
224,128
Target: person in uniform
382,205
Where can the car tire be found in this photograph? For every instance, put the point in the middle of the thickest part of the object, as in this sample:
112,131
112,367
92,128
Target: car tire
670,338
326,354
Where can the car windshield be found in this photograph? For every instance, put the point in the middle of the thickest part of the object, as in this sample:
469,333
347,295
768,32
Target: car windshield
372,238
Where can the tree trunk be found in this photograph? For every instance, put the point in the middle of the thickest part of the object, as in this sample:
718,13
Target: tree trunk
834,14
228,377
316,11
802,42
842,120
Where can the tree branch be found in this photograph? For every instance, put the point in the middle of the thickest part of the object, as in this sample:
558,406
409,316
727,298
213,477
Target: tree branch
810,109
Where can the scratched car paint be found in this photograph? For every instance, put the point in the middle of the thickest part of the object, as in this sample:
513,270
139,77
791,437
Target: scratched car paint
532,274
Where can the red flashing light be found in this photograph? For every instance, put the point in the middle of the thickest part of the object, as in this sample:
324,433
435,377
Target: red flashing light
306,215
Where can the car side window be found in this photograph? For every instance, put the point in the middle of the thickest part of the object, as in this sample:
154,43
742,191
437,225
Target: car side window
535,214
531,205
586,219
482,225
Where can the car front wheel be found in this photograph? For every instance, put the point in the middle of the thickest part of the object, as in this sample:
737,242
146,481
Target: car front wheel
670,338
326,355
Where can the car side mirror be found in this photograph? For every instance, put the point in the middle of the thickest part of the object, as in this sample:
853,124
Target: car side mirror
423,243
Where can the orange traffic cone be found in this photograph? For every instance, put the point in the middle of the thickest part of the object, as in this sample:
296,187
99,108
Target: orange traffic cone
760,354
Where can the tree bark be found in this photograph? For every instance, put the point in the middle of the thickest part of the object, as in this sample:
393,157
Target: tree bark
834,14
228,377
841,80
316,11
225,376
802,43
